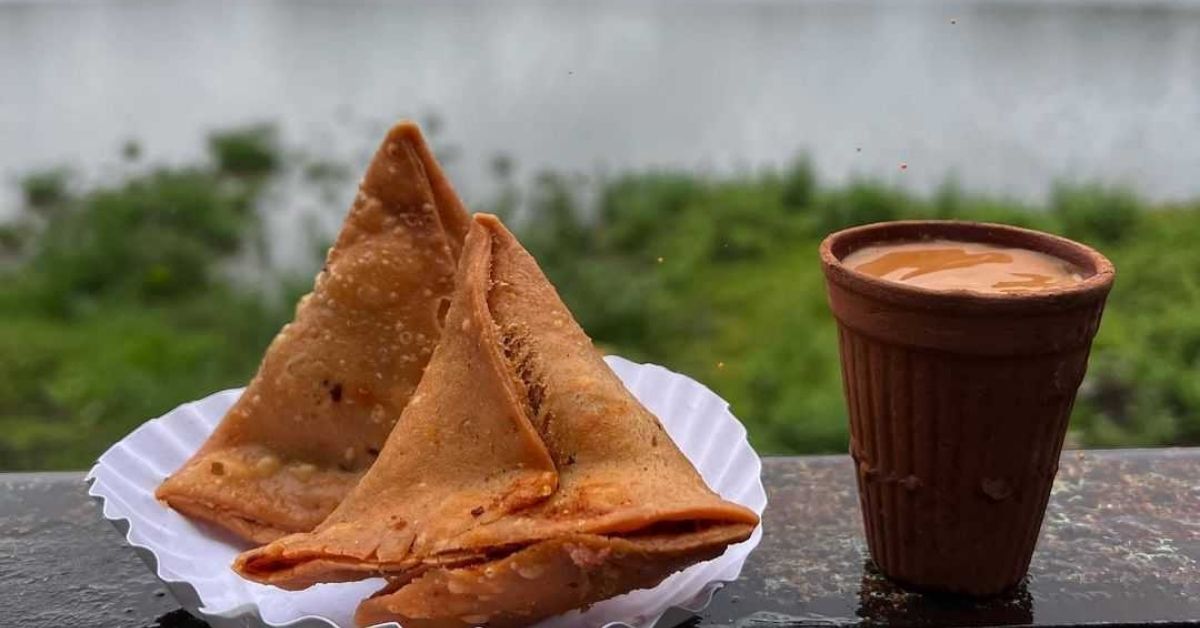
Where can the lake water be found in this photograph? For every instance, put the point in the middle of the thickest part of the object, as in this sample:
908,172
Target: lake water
1006,96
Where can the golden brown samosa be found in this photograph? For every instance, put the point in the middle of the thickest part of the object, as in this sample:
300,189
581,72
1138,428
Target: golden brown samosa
334,381
522,481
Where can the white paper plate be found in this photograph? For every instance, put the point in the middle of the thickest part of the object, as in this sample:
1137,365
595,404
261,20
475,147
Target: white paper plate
193,558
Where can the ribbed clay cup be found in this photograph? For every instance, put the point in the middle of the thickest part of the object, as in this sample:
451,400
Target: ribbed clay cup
958,404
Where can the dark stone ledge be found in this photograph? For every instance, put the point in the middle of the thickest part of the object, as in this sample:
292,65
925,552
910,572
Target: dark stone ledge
1120,544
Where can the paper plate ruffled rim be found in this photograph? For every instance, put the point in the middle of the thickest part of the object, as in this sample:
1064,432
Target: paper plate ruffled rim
192,559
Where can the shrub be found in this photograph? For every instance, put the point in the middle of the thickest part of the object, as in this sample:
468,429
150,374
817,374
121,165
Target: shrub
117,306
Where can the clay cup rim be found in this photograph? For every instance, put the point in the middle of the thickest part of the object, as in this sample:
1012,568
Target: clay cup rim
1098,270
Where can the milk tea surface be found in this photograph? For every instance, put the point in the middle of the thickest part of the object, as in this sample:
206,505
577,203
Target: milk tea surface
974,266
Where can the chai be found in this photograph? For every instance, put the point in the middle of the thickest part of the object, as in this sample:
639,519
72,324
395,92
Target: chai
952,265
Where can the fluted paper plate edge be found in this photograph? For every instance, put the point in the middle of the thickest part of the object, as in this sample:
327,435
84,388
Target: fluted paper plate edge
695,417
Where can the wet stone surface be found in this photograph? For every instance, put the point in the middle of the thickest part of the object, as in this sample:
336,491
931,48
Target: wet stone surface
63,565
1121,544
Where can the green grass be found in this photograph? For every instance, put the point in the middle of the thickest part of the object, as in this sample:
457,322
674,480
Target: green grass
71,386
115,305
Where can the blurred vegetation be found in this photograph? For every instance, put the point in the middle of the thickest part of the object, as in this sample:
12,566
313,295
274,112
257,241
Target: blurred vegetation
117,300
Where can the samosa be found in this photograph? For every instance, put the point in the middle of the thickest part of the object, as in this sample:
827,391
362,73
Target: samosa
334,381
522,481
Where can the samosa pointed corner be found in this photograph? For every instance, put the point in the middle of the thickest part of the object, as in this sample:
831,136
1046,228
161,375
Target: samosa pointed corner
403,148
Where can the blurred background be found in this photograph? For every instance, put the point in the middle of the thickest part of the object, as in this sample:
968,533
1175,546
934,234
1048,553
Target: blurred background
174,169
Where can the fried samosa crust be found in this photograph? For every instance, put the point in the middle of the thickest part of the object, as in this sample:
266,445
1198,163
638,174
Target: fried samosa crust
615,505
333,382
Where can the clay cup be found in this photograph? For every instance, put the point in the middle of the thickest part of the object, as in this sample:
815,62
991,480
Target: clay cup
958,404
